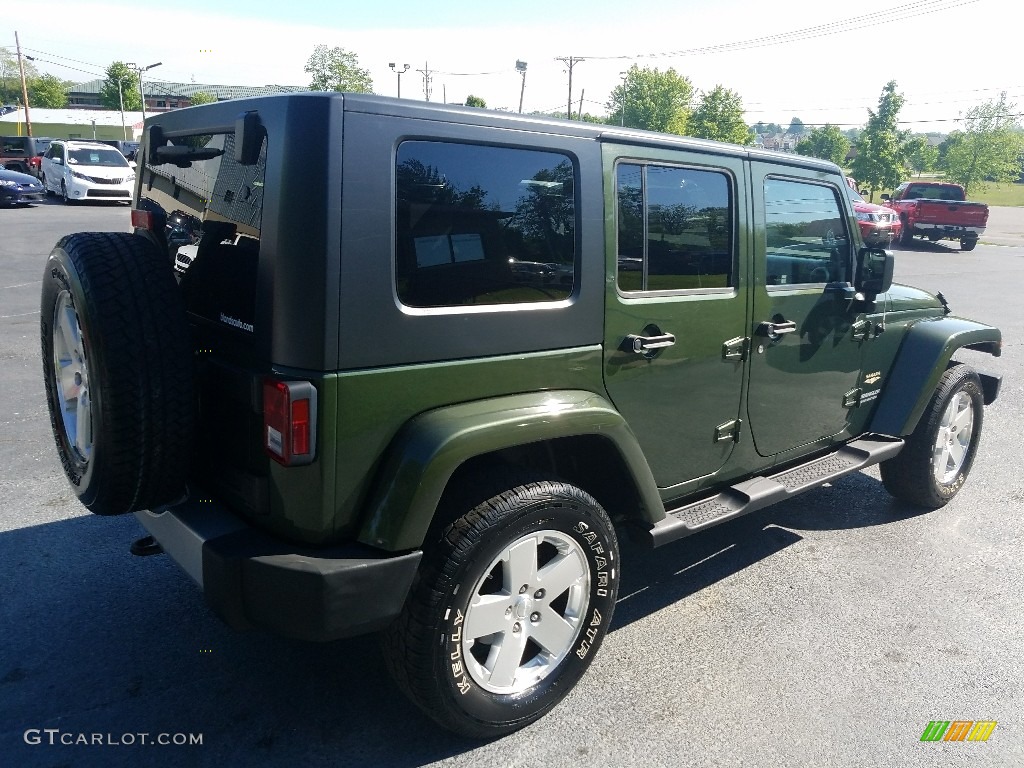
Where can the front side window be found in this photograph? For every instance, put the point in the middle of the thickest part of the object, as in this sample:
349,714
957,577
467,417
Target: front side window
805,231
674,228
479,225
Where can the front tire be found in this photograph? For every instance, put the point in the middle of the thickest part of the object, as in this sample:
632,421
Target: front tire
64,194
511,604
117,368
933,466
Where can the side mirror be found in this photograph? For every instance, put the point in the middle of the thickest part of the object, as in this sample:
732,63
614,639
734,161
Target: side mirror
58,161
886,197
874,271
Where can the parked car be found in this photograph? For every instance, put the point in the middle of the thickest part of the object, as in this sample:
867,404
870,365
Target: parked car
19,188
363,406
879,225
23,153
85,170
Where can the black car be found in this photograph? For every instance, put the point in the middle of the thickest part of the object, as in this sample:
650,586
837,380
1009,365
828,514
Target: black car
19,188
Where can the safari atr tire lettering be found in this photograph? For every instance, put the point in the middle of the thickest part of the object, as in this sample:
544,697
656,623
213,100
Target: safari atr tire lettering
938,456
117,368
478,651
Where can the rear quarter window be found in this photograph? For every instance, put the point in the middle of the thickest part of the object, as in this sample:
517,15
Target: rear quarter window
483,225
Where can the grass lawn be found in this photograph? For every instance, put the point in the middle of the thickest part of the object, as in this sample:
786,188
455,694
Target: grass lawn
990,193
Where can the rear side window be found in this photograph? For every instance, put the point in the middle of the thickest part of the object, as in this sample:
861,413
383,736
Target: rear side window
214,211
675,229
481,225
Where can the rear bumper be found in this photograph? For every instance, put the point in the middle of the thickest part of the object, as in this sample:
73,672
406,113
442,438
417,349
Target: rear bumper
251,579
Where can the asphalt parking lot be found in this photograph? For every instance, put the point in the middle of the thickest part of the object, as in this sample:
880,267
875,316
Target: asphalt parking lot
825,631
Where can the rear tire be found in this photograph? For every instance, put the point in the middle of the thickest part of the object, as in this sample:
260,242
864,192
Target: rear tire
511,604
933,466
968,243
117,367
906,235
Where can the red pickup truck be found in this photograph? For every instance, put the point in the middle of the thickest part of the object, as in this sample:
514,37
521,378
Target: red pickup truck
937,210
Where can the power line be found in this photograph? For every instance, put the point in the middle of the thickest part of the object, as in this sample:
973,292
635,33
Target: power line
908,11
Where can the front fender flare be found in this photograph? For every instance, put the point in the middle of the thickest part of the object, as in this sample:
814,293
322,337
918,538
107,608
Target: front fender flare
428,450
923,357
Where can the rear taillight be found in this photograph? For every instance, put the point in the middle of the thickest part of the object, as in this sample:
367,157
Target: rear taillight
289,421
142,219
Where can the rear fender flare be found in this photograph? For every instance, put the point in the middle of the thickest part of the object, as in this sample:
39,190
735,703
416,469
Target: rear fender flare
428,450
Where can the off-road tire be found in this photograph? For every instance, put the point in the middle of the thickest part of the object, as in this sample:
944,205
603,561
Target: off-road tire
906,234
911,475
430,649
117,367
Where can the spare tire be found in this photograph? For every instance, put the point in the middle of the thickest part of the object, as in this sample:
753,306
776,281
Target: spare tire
117,365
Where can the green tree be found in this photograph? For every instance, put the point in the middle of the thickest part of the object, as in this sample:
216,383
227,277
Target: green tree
335,69
48,92
881,160
656,101
475,101
10,77
921,155
201,97
796,127
989,147
827,142
719,116
118,73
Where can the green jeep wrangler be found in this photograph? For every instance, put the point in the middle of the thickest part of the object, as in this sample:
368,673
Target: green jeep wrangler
421,384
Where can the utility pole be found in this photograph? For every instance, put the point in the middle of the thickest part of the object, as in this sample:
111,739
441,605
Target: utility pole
570,62
24,89
579,112
426,72
521,69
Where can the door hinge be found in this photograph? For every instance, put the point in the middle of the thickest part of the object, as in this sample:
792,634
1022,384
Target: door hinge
728,431
735,349
861,329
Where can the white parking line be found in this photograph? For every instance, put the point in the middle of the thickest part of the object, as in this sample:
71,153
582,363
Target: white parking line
19,285
23,314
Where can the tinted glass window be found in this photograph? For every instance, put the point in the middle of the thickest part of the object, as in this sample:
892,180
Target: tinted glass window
805,230
674,228
108,158
214,212
478,225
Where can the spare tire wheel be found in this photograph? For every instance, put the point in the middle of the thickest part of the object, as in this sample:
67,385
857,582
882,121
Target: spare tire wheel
117,365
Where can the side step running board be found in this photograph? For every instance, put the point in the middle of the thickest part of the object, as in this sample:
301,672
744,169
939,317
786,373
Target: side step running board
760,492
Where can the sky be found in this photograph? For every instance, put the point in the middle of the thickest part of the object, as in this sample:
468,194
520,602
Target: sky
821,62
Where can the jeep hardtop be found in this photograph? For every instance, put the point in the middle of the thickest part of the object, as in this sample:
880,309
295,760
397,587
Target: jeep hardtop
422,385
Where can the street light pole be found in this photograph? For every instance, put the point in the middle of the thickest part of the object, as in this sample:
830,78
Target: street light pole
139,70
120,99
399,72
521,69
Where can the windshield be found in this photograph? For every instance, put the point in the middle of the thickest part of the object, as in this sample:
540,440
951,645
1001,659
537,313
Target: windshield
110,158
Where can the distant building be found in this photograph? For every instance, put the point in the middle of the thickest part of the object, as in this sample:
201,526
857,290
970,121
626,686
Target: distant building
87,118
162,96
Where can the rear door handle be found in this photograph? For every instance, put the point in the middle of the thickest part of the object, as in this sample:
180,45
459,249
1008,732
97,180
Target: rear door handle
642,345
